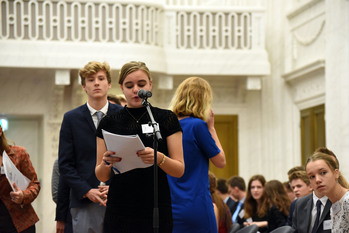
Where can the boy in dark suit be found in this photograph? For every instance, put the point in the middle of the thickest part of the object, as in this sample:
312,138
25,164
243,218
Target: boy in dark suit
237,189
77,149
305,214
300,185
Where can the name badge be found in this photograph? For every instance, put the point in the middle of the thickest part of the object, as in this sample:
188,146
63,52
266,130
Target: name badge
2,170
242,213
328,224
147,128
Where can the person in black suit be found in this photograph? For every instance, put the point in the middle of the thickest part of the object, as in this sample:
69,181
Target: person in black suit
77,149
222,191
300,185
237,189
63,216
60,195
304,214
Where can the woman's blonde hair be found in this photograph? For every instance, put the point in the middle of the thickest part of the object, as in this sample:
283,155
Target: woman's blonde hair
193,97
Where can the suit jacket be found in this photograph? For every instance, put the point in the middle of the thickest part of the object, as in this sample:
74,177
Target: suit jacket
77,153
290,215
231,204
302,215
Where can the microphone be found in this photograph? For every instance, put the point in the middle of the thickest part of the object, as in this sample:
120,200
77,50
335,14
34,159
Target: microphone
143,94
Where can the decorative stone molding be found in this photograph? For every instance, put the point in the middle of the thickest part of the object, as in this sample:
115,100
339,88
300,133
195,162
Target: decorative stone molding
55,117
254,83
302,7
228,90
82,21
302,72
308,84
78,94
307,22
215,3
308,41
62,77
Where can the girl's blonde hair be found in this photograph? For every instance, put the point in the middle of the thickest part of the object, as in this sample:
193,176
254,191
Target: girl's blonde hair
341,180
131,67
332,163
193,97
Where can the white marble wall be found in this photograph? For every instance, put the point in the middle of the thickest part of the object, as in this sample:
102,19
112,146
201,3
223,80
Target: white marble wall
337,81
279,126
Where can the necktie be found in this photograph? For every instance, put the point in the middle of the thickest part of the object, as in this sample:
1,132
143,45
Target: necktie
235,215
99,115
318,212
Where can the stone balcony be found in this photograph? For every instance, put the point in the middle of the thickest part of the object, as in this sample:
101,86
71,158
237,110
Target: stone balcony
174,37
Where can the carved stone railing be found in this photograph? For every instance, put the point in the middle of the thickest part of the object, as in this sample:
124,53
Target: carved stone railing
160,32
81,21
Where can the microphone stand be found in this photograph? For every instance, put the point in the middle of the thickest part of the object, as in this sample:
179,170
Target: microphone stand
156,139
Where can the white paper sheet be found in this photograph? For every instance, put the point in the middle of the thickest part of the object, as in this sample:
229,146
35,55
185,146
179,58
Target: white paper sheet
13,174
125,147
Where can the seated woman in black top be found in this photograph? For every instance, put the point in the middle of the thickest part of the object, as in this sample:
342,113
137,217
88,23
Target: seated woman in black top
253,212
276,204
270,208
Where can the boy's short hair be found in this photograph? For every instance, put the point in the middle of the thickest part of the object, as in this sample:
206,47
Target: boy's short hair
299,175
237,181
92,68
222,185
297,168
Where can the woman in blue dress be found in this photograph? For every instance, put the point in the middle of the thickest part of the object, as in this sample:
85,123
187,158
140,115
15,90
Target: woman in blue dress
192,207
